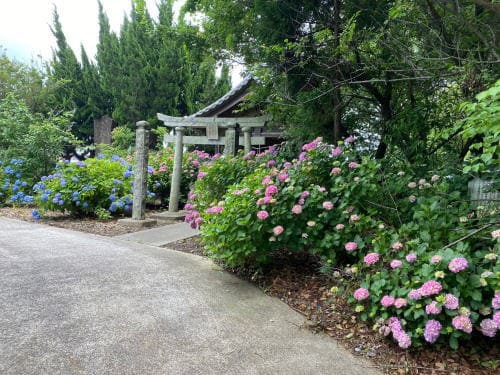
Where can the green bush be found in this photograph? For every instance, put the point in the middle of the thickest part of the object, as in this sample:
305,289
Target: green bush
425,261
86,188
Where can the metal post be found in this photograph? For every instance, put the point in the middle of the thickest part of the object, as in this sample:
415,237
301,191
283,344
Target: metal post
175,188
141,170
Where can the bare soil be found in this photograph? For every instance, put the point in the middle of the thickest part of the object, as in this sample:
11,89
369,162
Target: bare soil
296,281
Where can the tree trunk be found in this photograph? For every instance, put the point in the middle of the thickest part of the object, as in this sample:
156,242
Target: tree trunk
338,130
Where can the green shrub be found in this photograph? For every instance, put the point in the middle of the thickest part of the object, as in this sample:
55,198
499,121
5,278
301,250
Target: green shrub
425,262
86,188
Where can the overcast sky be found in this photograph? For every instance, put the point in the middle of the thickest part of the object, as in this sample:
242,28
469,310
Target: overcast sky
25,32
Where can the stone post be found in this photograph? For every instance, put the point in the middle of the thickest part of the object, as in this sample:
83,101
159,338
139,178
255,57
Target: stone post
247,139
175,187
141,170
232,140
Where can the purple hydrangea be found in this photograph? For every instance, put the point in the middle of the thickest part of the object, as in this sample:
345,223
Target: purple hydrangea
412,257
458,264
451,302
489,327
495,302
432,331
396,263
462,323
414,294
433,308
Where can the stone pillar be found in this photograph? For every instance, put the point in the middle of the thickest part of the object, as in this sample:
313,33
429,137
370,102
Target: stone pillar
175,186
231,140
141,170
247,139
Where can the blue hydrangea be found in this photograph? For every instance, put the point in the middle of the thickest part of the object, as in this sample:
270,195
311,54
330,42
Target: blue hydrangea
112,198
74,179
127,174
36,215
75,195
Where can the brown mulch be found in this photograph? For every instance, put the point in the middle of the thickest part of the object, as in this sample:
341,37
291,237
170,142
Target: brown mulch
109,228
296,281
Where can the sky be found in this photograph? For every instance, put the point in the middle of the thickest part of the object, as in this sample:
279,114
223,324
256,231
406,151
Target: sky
25,25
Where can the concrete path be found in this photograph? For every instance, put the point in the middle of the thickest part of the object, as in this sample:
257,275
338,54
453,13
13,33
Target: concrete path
73,303
161,236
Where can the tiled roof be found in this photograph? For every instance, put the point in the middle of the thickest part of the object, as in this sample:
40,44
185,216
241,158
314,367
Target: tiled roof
233,97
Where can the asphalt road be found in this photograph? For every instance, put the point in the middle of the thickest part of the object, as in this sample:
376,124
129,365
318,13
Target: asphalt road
74,303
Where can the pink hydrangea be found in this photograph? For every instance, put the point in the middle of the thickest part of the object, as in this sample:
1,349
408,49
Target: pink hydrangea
336,170
489,327
451,302
201,175
214,210
458,264
400,302
267,180
350,139
297,209
462,323
262,215
353,218
432,331
411,258
495,302
433,308
353,165
371,258
430,288
361,294
397,246
277,230
271,190
287,164
436,259
336,151
339,226
495,233
396,263
270,163
282,177
387,301
328,205
351,246
414,294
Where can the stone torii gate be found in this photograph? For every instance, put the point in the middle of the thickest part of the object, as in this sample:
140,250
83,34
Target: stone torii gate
214,126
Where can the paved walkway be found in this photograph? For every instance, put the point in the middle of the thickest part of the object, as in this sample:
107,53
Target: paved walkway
73,303
161,236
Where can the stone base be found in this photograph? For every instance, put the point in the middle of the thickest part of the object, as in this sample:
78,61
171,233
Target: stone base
169,216
128,222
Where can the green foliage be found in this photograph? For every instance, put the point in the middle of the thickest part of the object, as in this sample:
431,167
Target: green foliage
482,128
88,188
37,140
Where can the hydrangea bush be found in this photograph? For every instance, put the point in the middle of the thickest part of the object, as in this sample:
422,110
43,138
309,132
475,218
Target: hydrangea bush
160,169
13,189
91,187
424,263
